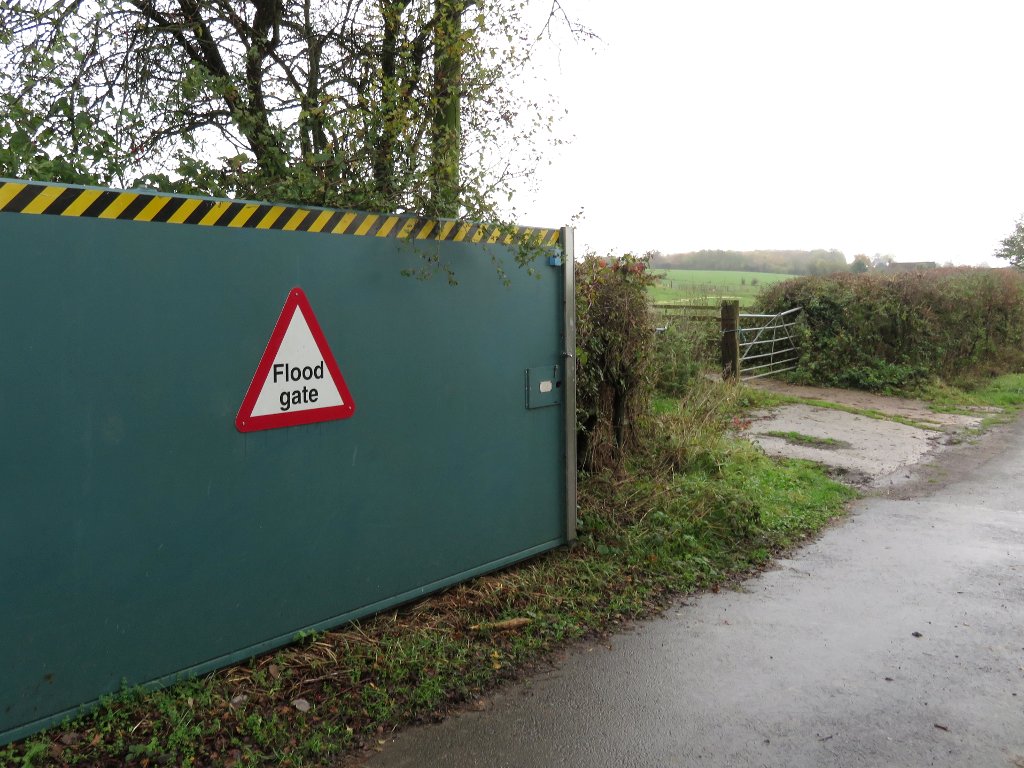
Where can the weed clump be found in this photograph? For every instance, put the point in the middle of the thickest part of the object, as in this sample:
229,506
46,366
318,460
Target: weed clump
683,350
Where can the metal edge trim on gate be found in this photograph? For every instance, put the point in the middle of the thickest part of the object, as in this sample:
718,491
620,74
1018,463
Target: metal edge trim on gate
569,353
150,206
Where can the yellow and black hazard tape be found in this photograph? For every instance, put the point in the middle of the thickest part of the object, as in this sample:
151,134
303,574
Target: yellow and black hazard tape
61,200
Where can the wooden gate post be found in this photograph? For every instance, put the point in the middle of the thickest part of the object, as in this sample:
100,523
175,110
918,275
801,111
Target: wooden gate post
731,340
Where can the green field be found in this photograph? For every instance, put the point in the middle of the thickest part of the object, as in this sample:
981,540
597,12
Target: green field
700,286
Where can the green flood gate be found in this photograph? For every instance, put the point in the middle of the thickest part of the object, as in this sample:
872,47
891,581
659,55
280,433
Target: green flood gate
223,423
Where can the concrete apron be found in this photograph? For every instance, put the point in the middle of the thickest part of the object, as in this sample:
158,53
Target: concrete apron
897,639
868,453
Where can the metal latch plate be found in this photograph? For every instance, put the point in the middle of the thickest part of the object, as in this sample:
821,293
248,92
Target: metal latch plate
543,386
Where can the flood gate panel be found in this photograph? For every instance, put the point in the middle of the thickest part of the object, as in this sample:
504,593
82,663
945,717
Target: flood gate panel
144,536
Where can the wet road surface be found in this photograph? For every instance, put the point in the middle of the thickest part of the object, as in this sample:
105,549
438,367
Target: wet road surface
897,639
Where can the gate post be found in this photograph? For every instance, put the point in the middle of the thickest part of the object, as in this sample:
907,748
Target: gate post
731,340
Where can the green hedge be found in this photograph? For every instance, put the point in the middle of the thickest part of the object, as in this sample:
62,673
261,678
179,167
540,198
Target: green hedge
885,332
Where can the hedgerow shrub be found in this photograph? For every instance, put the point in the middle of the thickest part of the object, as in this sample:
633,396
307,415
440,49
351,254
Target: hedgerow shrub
614,345
884,332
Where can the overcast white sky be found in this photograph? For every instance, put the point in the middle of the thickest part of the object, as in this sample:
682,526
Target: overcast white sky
871,127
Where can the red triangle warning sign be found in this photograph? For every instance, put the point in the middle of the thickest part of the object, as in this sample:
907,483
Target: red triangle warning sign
297,380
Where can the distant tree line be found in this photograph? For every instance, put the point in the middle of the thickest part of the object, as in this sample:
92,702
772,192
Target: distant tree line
817,262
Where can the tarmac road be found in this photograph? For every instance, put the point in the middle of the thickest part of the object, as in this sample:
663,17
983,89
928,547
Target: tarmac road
896,639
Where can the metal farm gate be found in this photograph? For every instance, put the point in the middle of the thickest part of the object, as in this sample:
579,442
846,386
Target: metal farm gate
767,344
223,423
758,345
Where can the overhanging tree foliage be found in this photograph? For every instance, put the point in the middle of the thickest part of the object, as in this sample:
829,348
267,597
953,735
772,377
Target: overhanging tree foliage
391,105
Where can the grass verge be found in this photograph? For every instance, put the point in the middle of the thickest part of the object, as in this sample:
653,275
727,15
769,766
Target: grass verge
999,399
694,509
